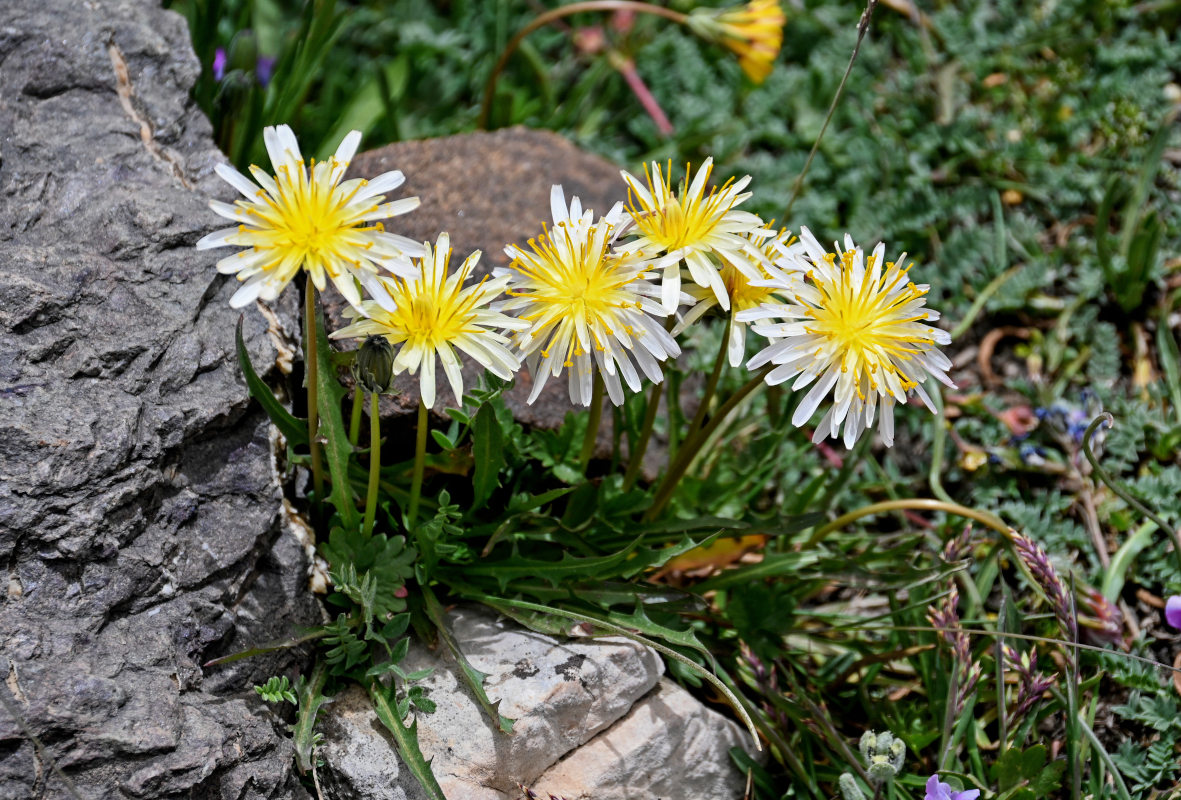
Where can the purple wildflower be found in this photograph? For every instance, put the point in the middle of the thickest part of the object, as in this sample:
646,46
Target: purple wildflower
1173,611
264,68
937,790
219,64
957,548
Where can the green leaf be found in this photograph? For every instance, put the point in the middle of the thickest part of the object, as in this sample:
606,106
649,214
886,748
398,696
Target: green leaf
570,567
405,740
269,647
276,690
1026,768
1137,208
388,560
581,507
525,502
294,430
311,697
1049,779
772,565
638,620
1121,562
471,676
332,428
488,452
627,562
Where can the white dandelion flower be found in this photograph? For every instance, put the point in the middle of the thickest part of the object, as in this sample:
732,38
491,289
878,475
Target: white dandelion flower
856,328
702,229
588,308
303,217
434,315
781,250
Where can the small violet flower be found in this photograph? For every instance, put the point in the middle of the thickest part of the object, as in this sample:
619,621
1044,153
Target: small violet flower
264,69
219,64
1173,611
937,790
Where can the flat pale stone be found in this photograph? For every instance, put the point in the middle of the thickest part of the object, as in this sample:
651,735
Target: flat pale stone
668,747
561,694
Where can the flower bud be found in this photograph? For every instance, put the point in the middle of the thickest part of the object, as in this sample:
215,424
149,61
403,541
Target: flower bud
849,788
883,755
374,367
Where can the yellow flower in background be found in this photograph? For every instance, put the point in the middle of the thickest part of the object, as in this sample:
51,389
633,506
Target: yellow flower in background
586,307
753,31
434,315
701,229
782,250
303,217
856,328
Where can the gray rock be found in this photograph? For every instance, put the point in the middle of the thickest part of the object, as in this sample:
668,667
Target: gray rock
668,747
138,510
561,694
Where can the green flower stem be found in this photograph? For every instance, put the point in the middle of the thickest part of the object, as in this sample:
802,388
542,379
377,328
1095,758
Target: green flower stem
556,14
862,27
592,425
374,460
711,386
635,460
355,420
313,376
935,476
1121,492
688,451
914,503
419,466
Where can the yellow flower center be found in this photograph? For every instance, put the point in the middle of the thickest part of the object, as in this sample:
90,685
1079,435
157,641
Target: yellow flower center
674,222
574,281
309,220
427,312
865,321
742,294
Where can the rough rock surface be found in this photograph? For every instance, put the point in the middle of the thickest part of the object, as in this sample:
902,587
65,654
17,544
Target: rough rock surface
592,716
138,512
